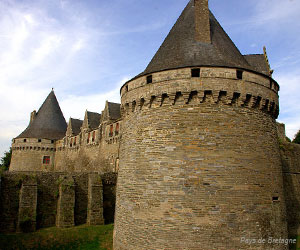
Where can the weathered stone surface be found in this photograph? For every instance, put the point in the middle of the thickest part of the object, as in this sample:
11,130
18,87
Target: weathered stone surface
290,154
200,170
27,205
47,197
66,202
95,200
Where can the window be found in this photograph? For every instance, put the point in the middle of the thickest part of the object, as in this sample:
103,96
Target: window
71,142
24,140
88,139
126,88
195,72
149,79
46,160
239,74
39,140
52,141
275,199
75,141
111,130
117,129
94,136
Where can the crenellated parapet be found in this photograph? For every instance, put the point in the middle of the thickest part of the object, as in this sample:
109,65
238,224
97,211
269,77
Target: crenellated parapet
215,86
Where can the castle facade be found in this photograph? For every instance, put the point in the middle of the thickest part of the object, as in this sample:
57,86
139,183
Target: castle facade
201,162
50,144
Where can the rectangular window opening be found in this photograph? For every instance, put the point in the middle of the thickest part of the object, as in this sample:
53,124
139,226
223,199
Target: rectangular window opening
46,160
239,74
111,130
274,199
117,129
39,140
195,72
149,79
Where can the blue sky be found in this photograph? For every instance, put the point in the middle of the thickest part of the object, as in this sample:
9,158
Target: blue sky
87,49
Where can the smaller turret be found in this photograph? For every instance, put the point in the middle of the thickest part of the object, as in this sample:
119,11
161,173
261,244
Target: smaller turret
34,148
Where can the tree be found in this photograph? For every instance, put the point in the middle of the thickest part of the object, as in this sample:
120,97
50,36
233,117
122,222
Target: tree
297,138
5,160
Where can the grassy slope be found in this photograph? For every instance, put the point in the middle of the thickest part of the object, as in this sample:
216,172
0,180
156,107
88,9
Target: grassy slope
81,237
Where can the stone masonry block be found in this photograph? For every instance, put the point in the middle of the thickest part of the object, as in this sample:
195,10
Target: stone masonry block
66,202
95,200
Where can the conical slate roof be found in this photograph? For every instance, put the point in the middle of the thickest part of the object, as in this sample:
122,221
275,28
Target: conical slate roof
49,122
181,49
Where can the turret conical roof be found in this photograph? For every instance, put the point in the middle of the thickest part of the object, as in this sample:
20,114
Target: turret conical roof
49,122
182,49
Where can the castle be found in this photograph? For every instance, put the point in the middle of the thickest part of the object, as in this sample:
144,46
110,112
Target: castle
50,144
201,161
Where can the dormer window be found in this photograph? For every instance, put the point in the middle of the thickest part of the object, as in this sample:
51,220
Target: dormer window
195,72
39,140
88,139
149,79
117,129
111,130
239,74
24,140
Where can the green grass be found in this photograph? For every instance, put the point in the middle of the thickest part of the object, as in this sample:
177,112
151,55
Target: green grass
80,237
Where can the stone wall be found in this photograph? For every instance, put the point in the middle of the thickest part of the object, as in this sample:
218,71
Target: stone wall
101,155
51,199
200,166
28,155
290,154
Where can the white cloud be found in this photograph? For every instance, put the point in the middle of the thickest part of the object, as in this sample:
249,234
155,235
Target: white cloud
37,50
289,102
75,106
276,11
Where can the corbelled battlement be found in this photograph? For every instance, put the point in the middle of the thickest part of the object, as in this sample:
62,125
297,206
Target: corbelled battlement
212,85
202,97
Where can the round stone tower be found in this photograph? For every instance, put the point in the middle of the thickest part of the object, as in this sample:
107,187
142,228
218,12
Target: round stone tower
34,148
199,160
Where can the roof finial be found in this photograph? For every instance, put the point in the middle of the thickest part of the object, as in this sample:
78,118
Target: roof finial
52,89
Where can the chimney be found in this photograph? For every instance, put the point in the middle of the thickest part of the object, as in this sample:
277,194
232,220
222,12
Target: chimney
202,24
32,116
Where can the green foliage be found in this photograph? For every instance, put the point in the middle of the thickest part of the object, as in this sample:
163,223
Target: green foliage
5,160
297,138
80,237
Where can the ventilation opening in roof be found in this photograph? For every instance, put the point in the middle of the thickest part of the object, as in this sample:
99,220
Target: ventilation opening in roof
239,74
149,79
195,72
